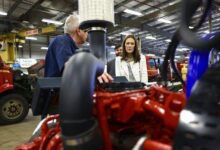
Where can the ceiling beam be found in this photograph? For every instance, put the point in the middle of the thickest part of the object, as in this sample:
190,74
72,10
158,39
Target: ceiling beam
74,8
13,7
122,4
149,9
147,4
155,30
22,17
141,22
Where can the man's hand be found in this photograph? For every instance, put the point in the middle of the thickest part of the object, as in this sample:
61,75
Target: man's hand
105,78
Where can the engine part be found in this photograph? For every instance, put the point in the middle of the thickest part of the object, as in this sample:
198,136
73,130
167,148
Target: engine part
198,127
75,106
198,63
124,117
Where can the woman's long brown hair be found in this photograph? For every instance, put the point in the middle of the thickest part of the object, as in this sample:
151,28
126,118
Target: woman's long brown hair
136,53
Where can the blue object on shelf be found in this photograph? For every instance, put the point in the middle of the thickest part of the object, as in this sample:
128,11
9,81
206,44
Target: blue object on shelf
16,66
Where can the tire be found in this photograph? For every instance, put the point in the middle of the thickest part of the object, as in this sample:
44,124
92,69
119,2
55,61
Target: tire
13,108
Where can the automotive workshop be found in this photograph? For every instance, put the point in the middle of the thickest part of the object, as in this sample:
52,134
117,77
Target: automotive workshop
109,74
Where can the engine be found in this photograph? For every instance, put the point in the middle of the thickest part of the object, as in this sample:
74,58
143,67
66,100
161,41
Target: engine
145,118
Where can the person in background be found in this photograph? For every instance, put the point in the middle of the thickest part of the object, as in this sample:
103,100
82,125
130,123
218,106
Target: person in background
111,64
64,46
118,50
131,64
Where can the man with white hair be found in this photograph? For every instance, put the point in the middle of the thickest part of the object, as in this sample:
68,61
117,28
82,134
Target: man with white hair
64,46
61,49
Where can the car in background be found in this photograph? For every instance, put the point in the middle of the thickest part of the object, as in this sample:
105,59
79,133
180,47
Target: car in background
153,64
15,95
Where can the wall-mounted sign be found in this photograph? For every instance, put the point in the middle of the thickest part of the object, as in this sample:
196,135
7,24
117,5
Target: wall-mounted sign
31,32
26,63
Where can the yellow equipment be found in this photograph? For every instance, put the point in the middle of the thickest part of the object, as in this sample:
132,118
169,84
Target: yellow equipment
184,71
9,41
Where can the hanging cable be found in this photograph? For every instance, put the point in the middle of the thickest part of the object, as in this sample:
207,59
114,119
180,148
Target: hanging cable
207,6
169,55
172,57
189,8
186,35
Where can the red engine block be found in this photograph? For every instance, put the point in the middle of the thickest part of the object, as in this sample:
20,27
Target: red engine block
154,112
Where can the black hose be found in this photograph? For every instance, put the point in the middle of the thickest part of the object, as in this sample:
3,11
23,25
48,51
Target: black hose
98,49
207,6
79,128
198,127
188,37
169,55
166,63
172,57
188,9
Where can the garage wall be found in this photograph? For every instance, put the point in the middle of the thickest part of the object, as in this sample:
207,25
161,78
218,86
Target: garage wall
32,48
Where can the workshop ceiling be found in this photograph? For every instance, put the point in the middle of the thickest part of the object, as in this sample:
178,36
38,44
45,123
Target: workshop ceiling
27,14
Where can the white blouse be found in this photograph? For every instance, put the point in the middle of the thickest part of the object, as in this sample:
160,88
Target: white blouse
139,69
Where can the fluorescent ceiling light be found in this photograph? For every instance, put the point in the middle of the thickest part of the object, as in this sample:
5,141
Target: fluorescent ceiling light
132,30
31,26
168,40
112,53
46,48
207,31
133,12
118,39
182,49
52,21
150,37
110,37
3,13
125,33
20,46
14,31
151,55
172,3
164,20
31,38
190,27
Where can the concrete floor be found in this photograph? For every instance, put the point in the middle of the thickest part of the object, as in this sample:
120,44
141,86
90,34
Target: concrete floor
16,134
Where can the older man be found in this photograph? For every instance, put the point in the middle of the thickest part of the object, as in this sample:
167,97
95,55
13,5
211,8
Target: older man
64,46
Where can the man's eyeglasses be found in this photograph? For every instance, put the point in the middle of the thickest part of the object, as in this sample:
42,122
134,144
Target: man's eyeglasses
85,30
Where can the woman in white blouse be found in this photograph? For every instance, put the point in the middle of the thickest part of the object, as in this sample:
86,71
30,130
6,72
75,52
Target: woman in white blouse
131,64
